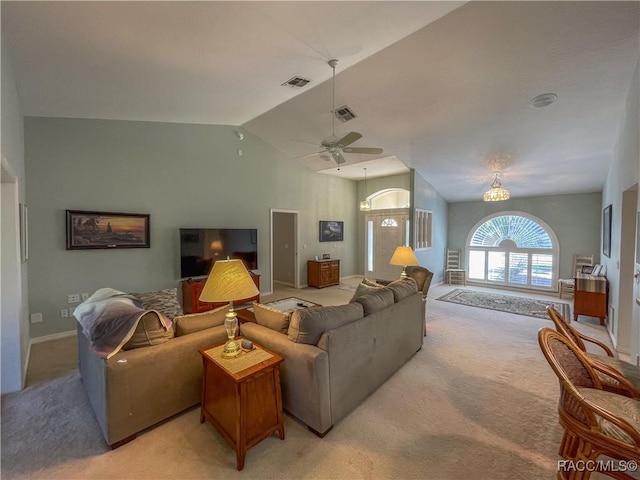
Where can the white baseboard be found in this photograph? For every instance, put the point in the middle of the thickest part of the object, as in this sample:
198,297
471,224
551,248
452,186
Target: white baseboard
54,336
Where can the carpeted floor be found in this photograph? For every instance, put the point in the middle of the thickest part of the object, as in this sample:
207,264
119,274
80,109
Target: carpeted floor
477,402
505,303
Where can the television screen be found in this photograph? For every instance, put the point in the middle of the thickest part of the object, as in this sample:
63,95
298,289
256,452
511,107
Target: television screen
200,248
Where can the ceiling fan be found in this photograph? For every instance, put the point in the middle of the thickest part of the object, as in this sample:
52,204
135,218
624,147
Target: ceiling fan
334,145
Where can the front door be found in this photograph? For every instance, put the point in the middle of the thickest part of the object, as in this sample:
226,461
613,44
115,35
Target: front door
385,232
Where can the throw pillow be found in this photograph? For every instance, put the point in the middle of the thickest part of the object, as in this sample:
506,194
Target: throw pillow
164,301
186,324
271,318
403,288
364,287
376,300
149,331
308,324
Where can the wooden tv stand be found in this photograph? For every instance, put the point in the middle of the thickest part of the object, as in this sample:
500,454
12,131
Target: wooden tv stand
192,288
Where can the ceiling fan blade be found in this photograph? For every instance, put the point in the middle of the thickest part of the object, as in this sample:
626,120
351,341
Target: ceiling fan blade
349,138
370,151
338,157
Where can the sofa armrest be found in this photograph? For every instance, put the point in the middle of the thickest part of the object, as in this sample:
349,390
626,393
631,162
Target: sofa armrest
304,374
137,388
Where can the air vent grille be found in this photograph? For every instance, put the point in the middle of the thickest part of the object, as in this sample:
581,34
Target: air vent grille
296,82
345,114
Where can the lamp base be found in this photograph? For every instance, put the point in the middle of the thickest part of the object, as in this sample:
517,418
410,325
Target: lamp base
231,349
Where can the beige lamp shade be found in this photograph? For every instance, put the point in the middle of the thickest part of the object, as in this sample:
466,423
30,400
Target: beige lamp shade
228,281
403,256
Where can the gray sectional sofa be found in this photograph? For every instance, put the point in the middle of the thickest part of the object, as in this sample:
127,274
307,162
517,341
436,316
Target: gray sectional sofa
336,356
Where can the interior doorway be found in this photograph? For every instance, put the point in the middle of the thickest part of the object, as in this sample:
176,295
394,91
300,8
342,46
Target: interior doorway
621,325
285,269
13,366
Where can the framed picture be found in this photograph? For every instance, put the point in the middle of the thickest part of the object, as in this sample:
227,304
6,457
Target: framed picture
331,231
24,233
87,230
588,269
606,231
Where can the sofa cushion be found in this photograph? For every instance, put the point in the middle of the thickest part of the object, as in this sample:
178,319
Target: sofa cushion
364,287
403,288
149,331
164,301
376,300
271,317
308,324
186,324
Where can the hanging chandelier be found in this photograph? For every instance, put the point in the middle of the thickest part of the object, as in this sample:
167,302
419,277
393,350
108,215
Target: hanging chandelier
496,193
365,205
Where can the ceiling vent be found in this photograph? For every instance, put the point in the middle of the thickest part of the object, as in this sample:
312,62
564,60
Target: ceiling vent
543,100
296,82
345,114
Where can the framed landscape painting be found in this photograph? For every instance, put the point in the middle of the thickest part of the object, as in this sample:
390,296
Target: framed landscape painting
331,231
86,230
606,231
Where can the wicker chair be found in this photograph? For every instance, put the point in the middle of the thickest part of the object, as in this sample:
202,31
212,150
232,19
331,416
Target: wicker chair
625,369
596,422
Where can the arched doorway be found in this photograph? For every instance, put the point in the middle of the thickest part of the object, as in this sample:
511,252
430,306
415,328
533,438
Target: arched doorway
513,249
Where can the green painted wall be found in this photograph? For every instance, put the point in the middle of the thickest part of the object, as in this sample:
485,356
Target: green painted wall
184,176
426,196
575,219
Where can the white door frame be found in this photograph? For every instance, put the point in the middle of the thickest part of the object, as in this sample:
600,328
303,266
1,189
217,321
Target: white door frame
296,236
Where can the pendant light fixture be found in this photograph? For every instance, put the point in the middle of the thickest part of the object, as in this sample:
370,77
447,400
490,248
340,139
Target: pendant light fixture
365,205
496,193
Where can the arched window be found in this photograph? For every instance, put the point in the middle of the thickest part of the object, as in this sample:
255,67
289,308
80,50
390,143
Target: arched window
515,249
390,198
389,222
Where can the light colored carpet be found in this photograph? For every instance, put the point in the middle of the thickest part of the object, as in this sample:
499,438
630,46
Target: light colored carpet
477,402
518,305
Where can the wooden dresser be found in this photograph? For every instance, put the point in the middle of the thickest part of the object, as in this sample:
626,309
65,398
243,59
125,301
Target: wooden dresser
590,296
323,273
192,288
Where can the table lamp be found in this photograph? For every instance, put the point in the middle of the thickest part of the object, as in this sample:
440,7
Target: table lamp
229,281
404,257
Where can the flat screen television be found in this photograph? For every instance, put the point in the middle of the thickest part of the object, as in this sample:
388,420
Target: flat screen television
200,248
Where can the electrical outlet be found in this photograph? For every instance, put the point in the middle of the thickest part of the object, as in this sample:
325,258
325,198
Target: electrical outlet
71,310
73,298
36,317
84,296
64,313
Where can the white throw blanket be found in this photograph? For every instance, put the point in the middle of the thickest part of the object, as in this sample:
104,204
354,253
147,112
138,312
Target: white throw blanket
109,318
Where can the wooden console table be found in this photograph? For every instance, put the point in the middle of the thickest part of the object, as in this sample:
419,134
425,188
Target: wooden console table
323,273
241,397
192,288
590,296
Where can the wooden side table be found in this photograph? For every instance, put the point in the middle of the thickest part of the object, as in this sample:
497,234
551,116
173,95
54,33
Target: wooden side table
241,397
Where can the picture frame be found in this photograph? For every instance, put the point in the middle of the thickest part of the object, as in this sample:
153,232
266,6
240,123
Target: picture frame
606,231
24,233
107,230
331,231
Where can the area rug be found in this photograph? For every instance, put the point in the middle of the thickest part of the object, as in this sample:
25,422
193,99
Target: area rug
530,307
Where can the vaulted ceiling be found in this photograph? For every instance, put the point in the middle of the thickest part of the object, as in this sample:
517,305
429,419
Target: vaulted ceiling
442,87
